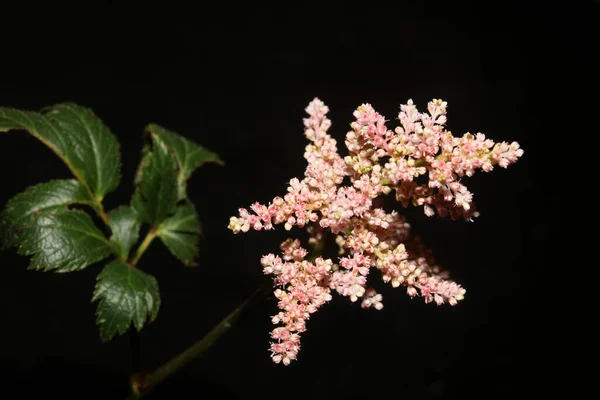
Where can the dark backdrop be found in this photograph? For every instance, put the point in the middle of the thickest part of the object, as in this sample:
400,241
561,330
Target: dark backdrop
236,78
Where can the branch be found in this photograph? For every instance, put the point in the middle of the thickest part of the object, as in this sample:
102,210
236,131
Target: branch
143,384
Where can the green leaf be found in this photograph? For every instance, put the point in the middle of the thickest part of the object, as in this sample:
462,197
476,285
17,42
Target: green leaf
180,233
156,193
189,154
147,148
78,137
126,294
22,209
125,229
64,241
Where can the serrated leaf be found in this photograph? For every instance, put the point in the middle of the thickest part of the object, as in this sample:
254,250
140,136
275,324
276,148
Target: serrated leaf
180,233
189,154
125,229
22,209
64,241
126,295
156,193
147,148
78,137
185,219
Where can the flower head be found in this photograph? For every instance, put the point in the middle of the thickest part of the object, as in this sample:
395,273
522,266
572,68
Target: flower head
420,161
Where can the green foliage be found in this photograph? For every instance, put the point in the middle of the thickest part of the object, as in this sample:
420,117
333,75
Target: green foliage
63,240
125,294
189,155
125,229
78,137
180,233
42,223
156,195
20,211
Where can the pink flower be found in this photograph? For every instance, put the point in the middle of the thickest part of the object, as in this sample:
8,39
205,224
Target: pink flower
420,161
372,299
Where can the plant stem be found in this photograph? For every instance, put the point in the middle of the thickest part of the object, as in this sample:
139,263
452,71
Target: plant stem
143,246
96,204
142,385
102,213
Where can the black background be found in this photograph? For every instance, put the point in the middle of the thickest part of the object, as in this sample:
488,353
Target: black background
236,79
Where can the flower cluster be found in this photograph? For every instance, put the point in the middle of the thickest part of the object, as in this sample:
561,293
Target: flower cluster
420,161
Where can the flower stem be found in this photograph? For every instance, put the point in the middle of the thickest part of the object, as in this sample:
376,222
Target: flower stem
143,246
141,385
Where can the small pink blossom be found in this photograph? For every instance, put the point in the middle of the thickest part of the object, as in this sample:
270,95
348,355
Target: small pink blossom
441,291
372,299
419,160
